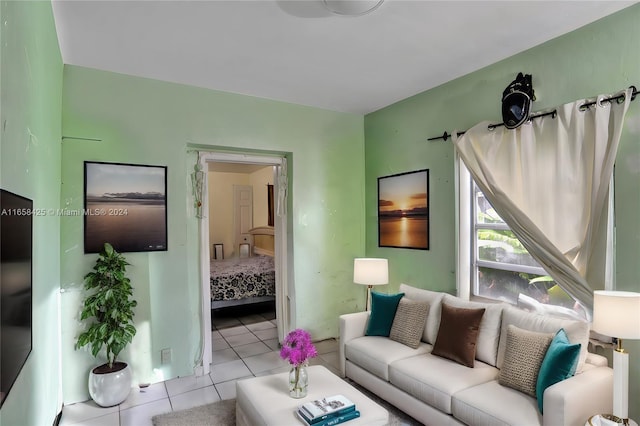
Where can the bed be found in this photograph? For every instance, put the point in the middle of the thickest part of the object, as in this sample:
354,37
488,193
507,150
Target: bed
239,281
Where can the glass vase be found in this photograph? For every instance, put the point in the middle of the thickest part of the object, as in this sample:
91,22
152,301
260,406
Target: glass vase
298,381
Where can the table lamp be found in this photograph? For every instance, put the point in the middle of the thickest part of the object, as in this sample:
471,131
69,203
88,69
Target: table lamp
617,314
370,271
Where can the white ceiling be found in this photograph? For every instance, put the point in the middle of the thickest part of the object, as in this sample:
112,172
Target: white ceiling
297,51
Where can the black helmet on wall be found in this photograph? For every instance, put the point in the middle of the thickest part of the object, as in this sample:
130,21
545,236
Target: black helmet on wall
516,101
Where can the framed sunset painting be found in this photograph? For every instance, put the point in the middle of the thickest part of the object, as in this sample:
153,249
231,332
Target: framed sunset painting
126,206
403,210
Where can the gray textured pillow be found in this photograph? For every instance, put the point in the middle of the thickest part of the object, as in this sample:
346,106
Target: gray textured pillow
523,356
408,324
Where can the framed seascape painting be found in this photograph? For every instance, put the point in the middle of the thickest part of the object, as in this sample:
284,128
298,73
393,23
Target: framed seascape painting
403,210
126,206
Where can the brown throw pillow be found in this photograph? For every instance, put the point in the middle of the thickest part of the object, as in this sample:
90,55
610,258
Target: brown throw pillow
457,334
408,324
523,356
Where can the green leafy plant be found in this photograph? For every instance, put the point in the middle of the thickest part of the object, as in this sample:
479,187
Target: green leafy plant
110,306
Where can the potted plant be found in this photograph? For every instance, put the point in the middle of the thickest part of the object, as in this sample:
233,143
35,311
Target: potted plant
110,308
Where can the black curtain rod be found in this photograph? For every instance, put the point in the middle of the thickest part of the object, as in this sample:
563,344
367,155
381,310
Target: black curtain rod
445,136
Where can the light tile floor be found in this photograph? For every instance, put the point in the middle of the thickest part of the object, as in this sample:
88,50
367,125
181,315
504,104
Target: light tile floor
243,347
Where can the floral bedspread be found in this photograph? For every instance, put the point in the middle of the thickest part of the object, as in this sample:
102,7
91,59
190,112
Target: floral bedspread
233,279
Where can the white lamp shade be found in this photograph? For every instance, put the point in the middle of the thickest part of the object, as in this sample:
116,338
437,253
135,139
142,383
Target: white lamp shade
617,314
370,271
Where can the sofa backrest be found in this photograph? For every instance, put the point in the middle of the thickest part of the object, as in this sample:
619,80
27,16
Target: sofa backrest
491,343
489,333
577,331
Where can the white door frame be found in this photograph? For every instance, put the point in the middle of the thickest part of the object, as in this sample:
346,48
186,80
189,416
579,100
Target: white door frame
280,227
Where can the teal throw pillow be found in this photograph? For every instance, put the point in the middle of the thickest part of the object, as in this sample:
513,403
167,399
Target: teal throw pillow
383,310
558,364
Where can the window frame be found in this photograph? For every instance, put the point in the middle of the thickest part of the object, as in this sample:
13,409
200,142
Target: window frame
467,264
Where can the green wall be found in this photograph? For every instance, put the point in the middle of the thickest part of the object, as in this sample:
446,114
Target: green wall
31,93
599,58
151,122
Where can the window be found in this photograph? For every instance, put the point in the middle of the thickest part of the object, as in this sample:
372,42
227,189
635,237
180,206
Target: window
499,267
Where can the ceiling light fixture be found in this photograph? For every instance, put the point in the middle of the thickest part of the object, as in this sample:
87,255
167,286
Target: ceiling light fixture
352,7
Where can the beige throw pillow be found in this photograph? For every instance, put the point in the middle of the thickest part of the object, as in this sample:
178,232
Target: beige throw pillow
408,324
523,356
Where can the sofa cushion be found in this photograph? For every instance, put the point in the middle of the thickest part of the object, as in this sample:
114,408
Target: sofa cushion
559,363
489,334
458,333
383,310
375,353
434,380
433,298
523,357
408,324
577,331
493,404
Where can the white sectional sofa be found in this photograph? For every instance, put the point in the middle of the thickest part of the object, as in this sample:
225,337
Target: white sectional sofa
439,391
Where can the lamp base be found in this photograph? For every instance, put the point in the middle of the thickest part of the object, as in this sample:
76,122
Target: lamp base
609,420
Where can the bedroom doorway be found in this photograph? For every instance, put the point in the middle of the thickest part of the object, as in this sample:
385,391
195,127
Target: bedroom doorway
265,241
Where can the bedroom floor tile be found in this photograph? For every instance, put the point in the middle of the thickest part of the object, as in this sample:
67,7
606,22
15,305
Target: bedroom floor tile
221,323
269,333
224,355
232,331
251,319
262,325
251,349
241,339
219,344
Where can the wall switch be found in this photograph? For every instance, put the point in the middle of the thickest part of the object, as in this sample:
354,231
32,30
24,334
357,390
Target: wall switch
165,356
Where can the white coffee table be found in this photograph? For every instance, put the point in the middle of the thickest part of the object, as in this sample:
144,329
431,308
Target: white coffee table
265,400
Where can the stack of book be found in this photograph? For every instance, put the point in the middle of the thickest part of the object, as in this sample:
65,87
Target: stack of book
328,411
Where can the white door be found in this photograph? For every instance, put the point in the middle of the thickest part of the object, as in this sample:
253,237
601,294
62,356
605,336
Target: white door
243,214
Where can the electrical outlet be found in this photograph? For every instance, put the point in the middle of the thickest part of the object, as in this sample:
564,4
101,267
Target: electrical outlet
165,356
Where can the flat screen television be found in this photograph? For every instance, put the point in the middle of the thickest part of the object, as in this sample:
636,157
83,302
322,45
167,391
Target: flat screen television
15,287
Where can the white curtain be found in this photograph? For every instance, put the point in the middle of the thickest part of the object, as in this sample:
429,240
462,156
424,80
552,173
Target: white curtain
549,181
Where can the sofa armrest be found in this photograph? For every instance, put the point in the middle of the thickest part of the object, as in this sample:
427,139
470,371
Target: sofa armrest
351,326
597,360
573,401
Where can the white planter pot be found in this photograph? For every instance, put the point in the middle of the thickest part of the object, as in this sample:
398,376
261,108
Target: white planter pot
109,389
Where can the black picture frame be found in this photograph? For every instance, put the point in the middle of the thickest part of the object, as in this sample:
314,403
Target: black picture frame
126,206
403,210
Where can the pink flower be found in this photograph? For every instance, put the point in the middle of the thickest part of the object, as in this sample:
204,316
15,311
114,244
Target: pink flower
297,347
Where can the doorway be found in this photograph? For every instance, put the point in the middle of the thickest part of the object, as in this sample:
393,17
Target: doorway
283,286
